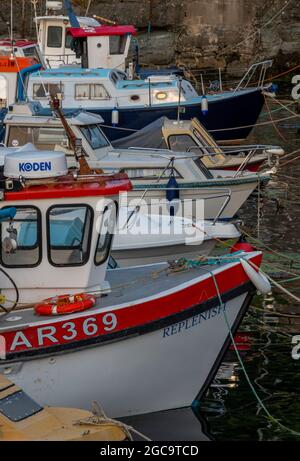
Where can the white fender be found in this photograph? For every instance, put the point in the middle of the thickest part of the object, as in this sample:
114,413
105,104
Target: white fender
258,279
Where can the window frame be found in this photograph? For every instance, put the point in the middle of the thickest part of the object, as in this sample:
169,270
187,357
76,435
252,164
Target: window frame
109,246
39,238
89,97
61,37
46,86
89,237
81,128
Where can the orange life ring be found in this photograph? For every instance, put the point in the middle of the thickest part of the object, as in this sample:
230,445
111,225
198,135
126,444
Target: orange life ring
65,304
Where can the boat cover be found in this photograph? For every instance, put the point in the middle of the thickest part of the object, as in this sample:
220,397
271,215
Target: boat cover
150,136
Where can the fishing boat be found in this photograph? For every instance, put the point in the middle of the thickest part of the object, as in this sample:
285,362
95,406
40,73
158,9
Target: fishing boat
191,136
129,105
158,176
113,325
23,419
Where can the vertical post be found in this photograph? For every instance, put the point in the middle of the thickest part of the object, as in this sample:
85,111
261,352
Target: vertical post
149,90
179,100
11,26
202,85
220,80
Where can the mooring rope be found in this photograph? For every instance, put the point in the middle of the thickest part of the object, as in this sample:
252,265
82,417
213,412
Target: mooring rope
259,400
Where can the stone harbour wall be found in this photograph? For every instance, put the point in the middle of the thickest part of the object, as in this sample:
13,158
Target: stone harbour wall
229,34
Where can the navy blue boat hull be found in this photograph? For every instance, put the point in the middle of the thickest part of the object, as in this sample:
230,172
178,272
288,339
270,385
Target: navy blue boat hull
229,119
223,120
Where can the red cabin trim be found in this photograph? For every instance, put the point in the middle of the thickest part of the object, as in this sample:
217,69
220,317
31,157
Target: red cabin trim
68,187
81,32
17,43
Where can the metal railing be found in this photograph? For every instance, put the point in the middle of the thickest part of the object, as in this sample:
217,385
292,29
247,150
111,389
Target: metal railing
250,149
260,67
223,193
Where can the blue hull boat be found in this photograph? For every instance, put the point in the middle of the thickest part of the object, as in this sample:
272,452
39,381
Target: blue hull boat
229,118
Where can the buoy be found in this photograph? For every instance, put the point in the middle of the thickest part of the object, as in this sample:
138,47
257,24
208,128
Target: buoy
242,246
258,279
114,117
65,304
204,105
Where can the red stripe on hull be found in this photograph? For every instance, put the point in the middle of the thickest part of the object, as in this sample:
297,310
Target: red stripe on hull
77,328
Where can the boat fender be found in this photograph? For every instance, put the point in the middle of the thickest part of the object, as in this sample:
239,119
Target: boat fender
258,279
204,105
242,245
114,117
65,304
172,193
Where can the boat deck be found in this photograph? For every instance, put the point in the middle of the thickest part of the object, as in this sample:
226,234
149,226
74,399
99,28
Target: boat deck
129,286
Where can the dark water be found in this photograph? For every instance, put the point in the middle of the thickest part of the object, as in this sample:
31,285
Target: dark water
230,411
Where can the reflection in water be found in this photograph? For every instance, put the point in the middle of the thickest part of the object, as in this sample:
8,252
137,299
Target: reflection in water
183,424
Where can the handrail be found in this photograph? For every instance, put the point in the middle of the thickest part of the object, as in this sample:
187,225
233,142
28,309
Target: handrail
226,194
265,65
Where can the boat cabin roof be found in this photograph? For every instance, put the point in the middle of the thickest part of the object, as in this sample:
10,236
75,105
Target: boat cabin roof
30,117
102,30
21,43
85,21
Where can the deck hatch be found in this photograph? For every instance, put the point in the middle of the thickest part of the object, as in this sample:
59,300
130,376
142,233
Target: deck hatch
18,406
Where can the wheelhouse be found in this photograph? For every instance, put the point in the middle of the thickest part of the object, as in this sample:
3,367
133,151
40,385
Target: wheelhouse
60,227
107,88
91,45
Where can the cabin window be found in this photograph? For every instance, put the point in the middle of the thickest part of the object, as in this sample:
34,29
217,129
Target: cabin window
31,52
90,91
82,91
98,91
106,233
200,165
40,90
54,37
94,136
21,238
69,234
68,41
181,143
150,173
43,138
117,44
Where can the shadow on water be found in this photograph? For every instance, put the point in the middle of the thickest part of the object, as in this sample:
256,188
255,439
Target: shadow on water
230,411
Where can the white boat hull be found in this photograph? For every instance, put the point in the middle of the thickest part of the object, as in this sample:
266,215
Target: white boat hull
208,209
155,371
136,257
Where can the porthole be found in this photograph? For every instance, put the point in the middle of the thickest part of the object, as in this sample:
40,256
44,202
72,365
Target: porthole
161,95
135,97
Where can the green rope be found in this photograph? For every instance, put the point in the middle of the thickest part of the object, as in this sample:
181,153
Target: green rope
271,418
